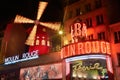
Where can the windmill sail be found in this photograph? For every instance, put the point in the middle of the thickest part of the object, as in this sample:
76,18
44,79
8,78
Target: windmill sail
31,37
21,19
41,7
54,26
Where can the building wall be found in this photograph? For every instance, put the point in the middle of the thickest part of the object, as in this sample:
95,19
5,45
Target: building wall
110,25
94,29
115,49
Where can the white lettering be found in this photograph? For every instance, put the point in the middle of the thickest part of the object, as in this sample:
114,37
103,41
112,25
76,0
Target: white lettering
25,56
12,59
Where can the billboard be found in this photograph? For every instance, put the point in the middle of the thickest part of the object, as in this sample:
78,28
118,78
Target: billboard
42,72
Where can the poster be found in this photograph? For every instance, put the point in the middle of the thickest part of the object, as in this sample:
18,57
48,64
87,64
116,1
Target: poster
42,72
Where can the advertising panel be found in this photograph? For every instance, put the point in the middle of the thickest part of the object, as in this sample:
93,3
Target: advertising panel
42,72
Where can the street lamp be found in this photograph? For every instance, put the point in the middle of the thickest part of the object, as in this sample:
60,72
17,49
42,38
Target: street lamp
61,33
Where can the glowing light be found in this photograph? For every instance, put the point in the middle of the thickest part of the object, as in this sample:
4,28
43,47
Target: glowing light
48,43
43,42
60,32
66,42
84,57
84,76
94,77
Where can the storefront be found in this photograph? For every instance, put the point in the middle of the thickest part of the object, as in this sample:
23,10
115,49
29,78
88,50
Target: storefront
82,60
88,60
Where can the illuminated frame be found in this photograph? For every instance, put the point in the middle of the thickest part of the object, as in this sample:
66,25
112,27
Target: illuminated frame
93,56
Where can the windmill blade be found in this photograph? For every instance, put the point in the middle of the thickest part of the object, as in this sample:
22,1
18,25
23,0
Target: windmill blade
31,37
54,26
21,19
41,8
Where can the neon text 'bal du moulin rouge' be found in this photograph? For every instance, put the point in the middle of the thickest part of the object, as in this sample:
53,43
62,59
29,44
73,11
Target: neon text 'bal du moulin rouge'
85,48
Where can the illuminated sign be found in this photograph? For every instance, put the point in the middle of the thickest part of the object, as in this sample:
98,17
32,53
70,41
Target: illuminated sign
80,67
89,66
78,30
25,57
85,48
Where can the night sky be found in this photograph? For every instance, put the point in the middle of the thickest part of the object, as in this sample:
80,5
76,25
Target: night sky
28,8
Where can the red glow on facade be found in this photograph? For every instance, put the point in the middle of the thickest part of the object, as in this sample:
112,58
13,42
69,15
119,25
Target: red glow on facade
85,48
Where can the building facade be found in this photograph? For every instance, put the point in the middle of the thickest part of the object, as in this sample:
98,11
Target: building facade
89,48
102,20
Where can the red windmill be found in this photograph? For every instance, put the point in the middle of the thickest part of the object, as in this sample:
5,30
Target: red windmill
38,38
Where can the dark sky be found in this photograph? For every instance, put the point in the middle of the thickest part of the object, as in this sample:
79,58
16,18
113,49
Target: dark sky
28,8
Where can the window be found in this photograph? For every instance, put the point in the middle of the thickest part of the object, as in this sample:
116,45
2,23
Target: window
89,22
70,14
88,7
101,36
118,58
72,1
37,41
48,43
43,42
117,37
99,19
78,12
90,37
98,4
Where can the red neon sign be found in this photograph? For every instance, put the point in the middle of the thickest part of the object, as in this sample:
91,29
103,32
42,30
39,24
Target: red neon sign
85,48
78,30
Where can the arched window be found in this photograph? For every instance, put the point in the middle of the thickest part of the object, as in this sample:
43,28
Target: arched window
43,41
37,41
48,43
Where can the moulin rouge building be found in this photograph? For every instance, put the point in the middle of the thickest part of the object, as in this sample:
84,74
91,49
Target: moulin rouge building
89,49
101,18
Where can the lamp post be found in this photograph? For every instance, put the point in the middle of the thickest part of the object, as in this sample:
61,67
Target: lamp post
61,33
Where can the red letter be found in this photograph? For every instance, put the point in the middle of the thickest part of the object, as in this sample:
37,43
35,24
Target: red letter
103,47
72,50
80,48
77,29
108,48
88,47
95,47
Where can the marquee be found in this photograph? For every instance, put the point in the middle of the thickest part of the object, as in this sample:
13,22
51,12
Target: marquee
86,47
